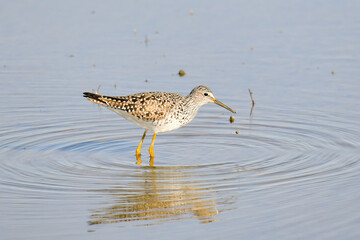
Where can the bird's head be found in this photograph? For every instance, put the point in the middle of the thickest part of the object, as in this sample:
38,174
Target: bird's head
203,95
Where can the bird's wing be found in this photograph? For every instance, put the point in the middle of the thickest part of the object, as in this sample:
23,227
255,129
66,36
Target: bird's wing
151,106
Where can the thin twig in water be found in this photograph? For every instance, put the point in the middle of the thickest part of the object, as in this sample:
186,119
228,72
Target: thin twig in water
251,95
251,111
98,89
253,102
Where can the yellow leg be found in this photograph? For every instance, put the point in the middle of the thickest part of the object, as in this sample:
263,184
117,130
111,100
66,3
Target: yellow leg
139,161
151,161
151,149
138,150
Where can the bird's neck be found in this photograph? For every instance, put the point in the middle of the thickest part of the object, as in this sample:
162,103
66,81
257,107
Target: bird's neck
191,106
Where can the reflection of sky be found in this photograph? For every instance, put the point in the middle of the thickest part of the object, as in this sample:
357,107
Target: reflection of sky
295,47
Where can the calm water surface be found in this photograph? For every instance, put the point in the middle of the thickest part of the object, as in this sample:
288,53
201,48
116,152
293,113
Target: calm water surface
68,167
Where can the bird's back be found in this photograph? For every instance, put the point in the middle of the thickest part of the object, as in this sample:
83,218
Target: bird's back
155,111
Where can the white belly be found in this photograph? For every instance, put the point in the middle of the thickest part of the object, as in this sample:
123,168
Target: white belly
163,125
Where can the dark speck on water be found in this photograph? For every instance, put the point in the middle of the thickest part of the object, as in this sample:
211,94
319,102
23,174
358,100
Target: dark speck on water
232,119
181,73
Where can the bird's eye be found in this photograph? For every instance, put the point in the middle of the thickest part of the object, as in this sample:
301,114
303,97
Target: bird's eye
205,94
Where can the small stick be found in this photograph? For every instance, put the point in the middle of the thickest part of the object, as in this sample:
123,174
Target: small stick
98,89
253,102
251,95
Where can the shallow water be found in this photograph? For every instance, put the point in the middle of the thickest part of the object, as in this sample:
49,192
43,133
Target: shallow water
68,167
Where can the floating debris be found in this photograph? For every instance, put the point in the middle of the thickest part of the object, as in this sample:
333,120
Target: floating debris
253,102
237,132
134,31
164,54
157,32
146,80
98,89
4,65
146,40
251,95
232,119
71,55
251,48
333,72
94,65
115,85
191,12
181,73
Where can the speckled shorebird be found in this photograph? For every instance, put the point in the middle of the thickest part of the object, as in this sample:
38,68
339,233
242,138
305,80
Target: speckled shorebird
157,111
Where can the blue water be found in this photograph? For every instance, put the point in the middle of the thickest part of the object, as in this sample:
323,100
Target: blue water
68,167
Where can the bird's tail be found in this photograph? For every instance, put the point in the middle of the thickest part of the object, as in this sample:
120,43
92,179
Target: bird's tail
93,97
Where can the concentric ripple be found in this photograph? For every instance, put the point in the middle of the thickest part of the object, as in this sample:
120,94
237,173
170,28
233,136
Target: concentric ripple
197,169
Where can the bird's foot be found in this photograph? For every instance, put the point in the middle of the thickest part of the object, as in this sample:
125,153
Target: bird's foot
138,158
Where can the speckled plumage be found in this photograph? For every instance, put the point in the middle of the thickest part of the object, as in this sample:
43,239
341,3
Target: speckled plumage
157,111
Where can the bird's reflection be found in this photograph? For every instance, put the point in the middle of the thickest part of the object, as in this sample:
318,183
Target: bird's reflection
158,194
